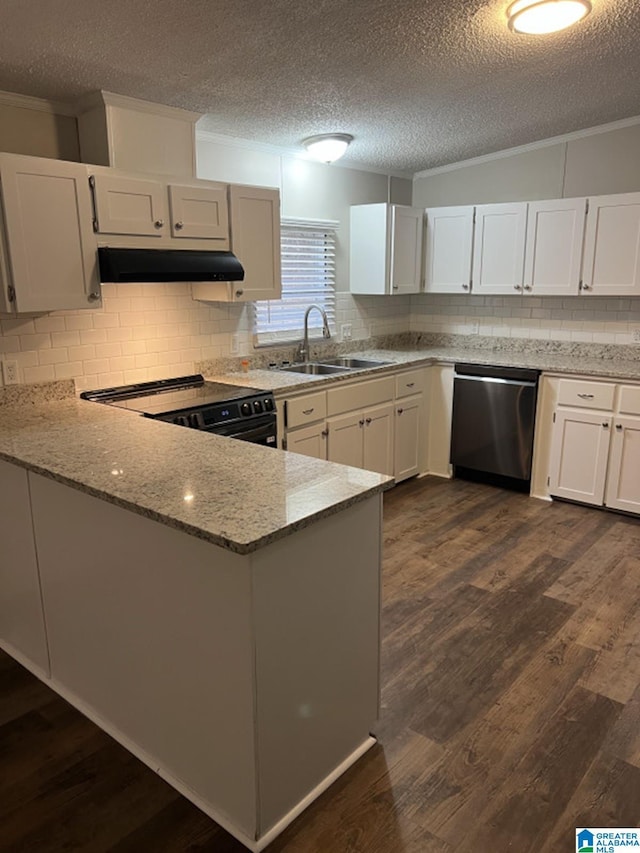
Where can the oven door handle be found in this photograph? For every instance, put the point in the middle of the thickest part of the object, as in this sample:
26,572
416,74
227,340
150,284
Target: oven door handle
259,432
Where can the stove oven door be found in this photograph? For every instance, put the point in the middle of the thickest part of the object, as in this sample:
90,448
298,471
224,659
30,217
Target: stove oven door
257,430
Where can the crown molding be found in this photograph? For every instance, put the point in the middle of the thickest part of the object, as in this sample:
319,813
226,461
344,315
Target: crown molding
111,99
531,146
26,102
296,153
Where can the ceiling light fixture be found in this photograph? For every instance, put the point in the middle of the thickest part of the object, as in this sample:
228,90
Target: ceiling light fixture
328,147
538,17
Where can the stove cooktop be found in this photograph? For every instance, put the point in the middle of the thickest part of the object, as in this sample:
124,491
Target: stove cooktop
169,395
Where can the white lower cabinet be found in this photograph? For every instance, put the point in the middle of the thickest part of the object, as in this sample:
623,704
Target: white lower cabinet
623,482
579,455
595,452
407,437
376,424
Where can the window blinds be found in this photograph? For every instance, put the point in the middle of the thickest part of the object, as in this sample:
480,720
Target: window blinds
308,278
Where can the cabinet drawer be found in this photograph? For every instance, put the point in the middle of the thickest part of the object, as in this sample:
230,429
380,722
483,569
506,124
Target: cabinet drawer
630,399
305,410
359,396
409,383
590,395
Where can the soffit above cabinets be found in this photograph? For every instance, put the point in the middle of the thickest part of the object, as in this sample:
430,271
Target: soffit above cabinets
419,84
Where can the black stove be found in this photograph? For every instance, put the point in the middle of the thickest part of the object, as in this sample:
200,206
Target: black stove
232,410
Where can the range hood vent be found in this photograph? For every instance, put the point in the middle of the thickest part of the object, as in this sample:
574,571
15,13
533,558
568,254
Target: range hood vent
165,265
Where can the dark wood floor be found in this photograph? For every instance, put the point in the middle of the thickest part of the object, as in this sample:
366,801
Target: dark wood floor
511,702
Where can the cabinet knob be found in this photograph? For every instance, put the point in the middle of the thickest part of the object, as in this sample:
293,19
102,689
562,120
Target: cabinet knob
528,287
400,411
619,427
368,420
93,297
517,287
239,292
605,424
465,286
324,433
159,223
586,286
179,226
361,422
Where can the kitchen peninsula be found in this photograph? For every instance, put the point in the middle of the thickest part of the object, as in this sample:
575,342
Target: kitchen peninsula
199,598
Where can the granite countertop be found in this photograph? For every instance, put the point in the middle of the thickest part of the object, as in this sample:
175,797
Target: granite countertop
233,494
281,381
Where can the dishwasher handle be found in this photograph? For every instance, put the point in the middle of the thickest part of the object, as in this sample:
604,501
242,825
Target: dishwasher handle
496,379
491,371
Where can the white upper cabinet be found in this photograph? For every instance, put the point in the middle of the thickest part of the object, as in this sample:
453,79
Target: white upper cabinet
553,257
255,240
498,255
612,246
130,206
448,249
190,215
199,212
386,249
48,258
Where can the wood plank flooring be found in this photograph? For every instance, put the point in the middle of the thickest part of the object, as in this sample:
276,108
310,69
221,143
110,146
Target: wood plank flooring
510,704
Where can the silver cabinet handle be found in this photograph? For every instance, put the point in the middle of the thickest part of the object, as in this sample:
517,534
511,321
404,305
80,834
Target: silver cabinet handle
239,292
586,396
605,424
308,411
586,286
410,384
159,223
179,226
619,427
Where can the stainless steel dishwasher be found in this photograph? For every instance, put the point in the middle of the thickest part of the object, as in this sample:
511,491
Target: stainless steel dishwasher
493,418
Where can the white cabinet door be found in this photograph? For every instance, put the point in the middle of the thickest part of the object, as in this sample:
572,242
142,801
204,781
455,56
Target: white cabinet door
623,482
255,240
310,441
344,441
612,246
498,248
378,439
553,256
51,257
448,249
407,437
579,451
130,206
406,249
200,212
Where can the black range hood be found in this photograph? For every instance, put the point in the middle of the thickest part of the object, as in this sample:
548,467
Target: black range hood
155,265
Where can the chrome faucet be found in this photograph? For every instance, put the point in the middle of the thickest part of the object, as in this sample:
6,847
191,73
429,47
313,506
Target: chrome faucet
303,350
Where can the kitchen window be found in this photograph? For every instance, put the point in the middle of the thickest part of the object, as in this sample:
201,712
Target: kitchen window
308,277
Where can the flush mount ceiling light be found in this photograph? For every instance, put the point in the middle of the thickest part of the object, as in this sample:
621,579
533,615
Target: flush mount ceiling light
328,147
537,17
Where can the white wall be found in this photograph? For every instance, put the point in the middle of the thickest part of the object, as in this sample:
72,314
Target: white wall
595,163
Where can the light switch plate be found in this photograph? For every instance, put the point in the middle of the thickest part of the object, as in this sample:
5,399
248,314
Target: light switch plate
635,335
10,371
346,331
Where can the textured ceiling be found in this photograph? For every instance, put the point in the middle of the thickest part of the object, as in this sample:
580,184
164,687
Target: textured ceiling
419,83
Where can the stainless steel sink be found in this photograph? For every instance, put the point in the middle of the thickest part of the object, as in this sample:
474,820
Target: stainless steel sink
314,369
355,363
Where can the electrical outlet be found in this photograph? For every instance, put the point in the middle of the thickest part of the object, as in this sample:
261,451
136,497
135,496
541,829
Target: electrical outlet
346,331
235,345
10,372
635,335
474,327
